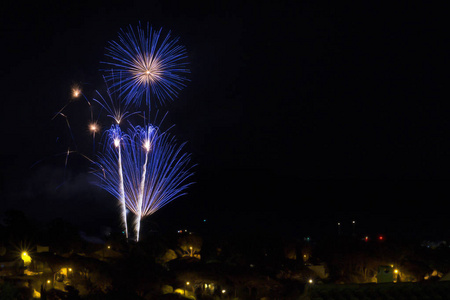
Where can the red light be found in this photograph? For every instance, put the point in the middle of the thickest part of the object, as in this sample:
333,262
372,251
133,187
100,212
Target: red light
380,237
366,238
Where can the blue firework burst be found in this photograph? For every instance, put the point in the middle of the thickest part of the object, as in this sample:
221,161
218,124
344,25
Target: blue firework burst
144,64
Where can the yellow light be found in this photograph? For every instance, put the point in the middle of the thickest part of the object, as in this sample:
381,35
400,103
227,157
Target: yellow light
26,258
396,271
223,291
70,269
310,281
187,283
36,294
48,281
109,247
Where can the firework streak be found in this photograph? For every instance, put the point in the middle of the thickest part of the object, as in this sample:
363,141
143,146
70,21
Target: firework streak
151,167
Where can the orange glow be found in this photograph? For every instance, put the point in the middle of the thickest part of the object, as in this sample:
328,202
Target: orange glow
76,92
93,127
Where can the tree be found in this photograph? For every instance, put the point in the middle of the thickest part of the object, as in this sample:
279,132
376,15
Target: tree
190,244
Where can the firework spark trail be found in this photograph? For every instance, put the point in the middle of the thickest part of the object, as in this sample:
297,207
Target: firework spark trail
70,129
116,109
147,143
116,132
76,92
93,127
170,170
122,193
143,65
156,170
112,175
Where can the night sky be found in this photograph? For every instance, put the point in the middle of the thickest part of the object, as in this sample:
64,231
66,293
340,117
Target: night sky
299,115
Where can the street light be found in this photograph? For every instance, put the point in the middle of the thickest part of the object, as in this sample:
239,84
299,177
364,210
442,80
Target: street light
26,258
187,283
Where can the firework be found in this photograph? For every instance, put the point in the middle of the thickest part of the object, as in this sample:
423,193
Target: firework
143,64
157,171
144,169
114,105
110,162
154,170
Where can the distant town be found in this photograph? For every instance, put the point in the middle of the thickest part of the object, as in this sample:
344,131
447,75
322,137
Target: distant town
57,261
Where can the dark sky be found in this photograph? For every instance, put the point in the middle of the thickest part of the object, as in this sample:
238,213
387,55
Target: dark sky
298,115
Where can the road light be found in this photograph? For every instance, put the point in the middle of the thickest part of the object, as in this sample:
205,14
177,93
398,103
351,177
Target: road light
397,275
26,258
185,287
